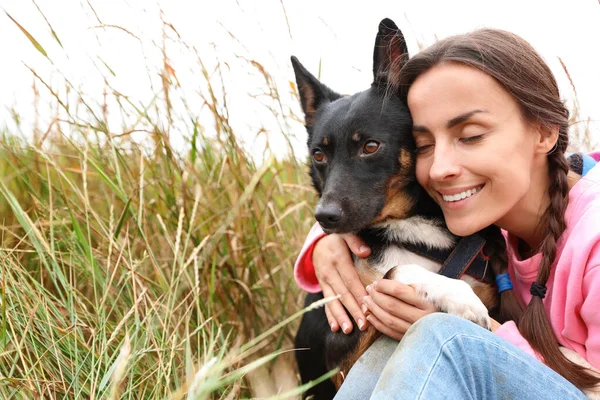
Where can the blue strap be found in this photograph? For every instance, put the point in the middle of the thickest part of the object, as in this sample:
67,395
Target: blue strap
588,163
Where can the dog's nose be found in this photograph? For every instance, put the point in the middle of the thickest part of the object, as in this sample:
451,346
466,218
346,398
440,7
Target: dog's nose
329,215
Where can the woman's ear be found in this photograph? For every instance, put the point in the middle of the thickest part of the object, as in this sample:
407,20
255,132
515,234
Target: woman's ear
547,140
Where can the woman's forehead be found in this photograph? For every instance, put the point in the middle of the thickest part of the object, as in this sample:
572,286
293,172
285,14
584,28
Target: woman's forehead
456,88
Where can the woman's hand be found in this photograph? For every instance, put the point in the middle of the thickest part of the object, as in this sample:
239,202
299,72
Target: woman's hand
337,275
394,307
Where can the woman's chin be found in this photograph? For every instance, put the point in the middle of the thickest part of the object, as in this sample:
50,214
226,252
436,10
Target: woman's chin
460,228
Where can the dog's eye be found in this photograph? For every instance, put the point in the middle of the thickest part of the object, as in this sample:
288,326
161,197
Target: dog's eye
318,155
371,147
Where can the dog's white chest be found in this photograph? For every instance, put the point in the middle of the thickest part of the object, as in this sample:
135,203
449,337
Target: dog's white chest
396,256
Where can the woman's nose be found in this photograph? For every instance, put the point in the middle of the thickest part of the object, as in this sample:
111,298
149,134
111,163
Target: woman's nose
445,164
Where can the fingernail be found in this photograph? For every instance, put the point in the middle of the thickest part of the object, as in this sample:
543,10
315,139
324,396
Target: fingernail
363,249
369,318
369,288
345,327
333,327
364,308
374,283
361,324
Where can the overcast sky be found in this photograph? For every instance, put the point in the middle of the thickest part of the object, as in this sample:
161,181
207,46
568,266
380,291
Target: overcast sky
337,34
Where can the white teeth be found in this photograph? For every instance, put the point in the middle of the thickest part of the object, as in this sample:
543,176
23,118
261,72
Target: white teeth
460,196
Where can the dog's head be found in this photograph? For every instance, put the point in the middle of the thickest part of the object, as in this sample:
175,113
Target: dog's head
361,146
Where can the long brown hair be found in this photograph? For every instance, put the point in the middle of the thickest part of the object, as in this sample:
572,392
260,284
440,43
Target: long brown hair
514,63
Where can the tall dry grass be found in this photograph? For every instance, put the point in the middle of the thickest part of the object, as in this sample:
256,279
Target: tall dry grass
131,270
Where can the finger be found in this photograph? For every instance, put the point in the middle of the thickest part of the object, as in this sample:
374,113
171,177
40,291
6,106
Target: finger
352,282
327,292
344,287
337,311
339,273
396,307
333,324
406,293
373,320
357,245
344,280
391,321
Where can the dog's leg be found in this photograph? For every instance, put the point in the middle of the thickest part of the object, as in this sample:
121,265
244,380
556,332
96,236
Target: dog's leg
452,296
311,345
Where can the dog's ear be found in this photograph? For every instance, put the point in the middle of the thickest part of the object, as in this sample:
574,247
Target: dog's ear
390,54
312,92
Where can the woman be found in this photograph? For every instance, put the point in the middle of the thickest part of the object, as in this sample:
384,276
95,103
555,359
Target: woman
491,135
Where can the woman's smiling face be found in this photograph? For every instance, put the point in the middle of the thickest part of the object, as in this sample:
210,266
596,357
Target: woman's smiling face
475,150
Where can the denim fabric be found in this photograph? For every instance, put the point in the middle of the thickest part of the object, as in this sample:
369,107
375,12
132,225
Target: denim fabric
446,357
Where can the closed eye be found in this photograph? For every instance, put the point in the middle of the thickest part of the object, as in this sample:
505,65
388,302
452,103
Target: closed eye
471,139
423,149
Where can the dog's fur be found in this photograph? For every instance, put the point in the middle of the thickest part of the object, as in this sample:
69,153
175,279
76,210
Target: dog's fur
377,196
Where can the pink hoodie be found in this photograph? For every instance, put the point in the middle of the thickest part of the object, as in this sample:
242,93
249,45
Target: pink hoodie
573,295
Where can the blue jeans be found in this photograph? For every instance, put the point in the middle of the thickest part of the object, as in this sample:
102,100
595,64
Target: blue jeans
446,357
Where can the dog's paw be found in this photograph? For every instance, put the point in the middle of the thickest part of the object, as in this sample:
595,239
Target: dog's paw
452,296
456,297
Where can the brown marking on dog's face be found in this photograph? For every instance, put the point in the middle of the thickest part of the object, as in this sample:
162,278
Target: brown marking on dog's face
356,137
325,141
405,160
397,202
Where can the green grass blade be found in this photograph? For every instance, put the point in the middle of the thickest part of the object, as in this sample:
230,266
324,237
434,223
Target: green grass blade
34,42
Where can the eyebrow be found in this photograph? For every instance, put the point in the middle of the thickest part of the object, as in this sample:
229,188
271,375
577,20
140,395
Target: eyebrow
452,122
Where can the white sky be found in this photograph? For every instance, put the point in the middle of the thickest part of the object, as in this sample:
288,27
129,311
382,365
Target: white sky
339,34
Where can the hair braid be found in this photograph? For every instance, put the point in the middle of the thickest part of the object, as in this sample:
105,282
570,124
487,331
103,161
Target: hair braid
534,324
509,307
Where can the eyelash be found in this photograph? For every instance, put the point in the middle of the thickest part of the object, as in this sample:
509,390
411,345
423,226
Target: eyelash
421,149
467,140
472,139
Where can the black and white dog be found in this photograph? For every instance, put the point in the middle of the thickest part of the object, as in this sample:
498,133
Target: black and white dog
362,165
